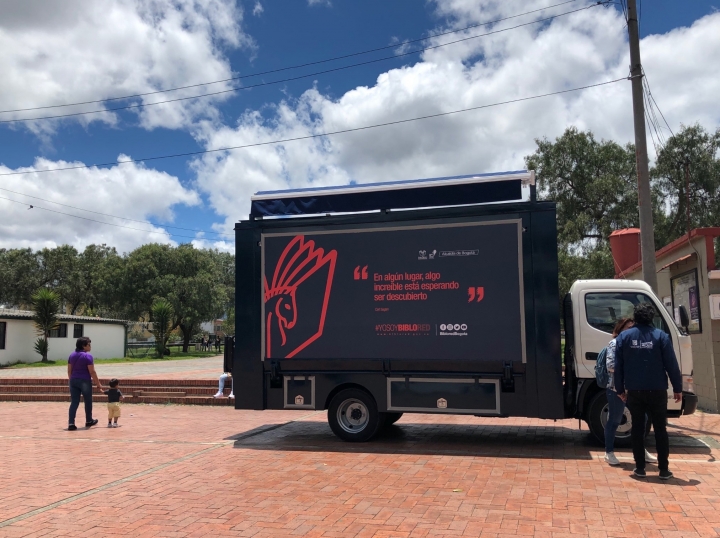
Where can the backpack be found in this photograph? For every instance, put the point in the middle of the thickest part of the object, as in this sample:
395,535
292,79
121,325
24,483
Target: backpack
601,374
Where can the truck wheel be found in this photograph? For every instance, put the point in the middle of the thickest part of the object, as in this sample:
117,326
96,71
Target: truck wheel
598,416
391,418
353,415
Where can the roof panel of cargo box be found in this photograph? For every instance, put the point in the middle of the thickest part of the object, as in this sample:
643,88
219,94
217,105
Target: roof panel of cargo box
415,193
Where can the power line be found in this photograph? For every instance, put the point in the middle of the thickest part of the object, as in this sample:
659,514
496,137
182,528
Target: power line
106,214
647,83
299,77
648,120
320,135
293,66
94,220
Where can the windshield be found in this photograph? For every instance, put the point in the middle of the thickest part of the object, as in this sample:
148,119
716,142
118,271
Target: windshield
605,309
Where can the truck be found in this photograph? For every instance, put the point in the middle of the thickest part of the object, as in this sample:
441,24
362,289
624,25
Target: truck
424,296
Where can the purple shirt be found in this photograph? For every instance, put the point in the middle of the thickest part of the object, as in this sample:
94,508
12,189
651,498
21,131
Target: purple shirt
79,360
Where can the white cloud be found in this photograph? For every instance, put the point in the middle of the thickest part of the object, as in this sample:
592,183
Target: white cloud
257,9
584,48
83,50
326,3
128,190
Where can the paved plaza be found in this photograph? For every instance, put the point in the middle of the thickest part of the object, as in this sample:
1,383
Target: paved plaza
176,471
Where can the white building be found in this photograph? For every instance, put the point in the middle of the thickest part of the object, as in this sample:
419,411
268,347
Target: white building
18,336
213,328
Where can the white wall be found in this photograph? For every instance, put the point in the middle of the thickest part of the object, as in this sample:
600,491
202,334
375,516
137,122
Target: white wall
108,341
19,339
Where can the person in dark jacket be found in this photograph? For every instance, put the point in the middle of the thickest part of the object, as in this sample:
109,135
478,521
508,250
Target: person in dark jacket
644,359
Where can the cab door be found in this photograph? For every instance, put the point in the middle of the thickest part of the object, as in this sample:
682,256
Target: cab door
601,310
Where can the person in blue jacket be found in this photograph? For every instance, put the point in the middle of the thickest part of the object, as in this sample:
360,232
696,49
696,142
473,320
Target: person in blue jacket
644,359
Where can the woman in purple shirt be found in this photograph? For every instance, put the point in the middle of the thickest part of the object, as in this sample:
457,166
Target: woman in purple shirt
81,372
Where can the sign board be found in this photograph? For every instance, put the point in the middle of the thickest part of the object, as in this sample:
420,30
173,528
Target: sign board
685,292
442,291
715,307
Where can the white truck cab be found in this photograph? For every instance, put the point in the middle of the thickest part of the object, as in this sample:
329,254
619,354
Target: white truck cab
592,308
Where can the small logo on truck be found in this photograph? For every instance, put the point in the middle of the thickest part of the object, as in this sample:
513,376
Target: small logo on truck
442,403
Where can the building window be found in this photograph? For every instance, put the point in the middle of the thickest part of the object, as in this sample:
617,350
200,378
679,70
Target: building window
3,327
59,332
78,330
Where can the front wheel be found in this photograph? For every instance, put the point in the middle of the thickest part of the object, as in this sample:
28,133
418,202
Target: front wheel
353,415
598,417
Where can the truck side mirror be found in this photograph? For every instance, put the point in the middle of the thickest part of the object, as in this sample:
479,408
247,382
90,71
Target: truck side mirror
684,318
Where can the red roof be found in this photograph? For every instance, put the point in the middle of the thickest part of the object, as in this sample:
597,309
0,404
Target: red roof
708,233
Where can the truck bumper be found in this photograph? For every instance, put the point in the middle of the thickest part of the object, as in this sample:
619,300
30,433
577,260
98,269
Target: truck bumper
689,403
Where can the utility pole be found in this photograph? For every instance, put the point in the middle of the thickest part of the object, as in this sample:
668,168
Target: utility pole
687,195
647,239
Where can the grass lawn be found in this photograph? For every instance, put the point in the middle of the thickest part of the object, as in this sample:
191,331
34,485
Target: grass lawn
176,356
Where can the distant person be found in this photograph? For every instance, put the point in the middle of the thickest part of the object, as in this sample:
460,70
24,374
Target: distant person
81,372
616,407
217,344
221,386
644,358
114,396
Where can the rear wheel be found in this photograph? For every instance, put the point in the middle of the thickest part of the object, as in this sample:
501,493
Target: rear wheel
353,415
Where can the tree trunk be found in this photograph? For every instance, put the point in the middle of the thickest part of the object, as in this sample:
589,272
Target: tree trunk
186,339
45,354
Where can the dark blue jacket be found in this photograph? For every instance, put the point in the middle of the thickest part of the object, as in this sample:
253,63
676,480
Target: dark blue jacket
644,358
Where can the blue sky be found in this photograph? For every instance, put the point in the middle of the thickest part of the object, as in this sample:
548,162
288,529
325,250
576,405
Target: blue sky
194,193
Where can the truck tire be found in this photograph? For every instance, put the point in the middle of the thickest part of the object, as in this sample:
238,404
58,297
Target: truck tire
597,418
353,415
391,418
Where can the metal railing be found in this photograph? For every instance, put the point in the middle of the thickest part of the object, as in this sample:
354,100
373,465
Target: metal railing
147,349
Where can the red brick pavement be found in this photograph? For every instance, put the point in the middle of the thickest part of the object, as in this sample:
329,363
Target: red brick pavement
190,471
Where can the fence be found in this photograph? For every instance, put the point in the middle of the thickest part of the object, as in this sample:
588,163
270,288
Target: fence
147,349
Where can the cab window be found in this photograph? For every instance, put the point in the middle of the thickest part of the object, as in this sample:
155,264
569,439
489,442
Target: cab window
604,310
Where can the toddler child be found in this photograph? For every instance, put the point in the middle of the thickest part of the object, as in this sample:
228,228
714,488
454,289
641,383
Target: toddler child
114,396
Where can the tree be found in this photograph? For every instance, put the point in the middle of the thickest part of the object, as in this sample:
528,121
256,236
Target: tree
693,147
142,277
198,293
83,285
228,326
46,304
190,279
595,187
593,183
597,263
19,276
56,265
161,313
